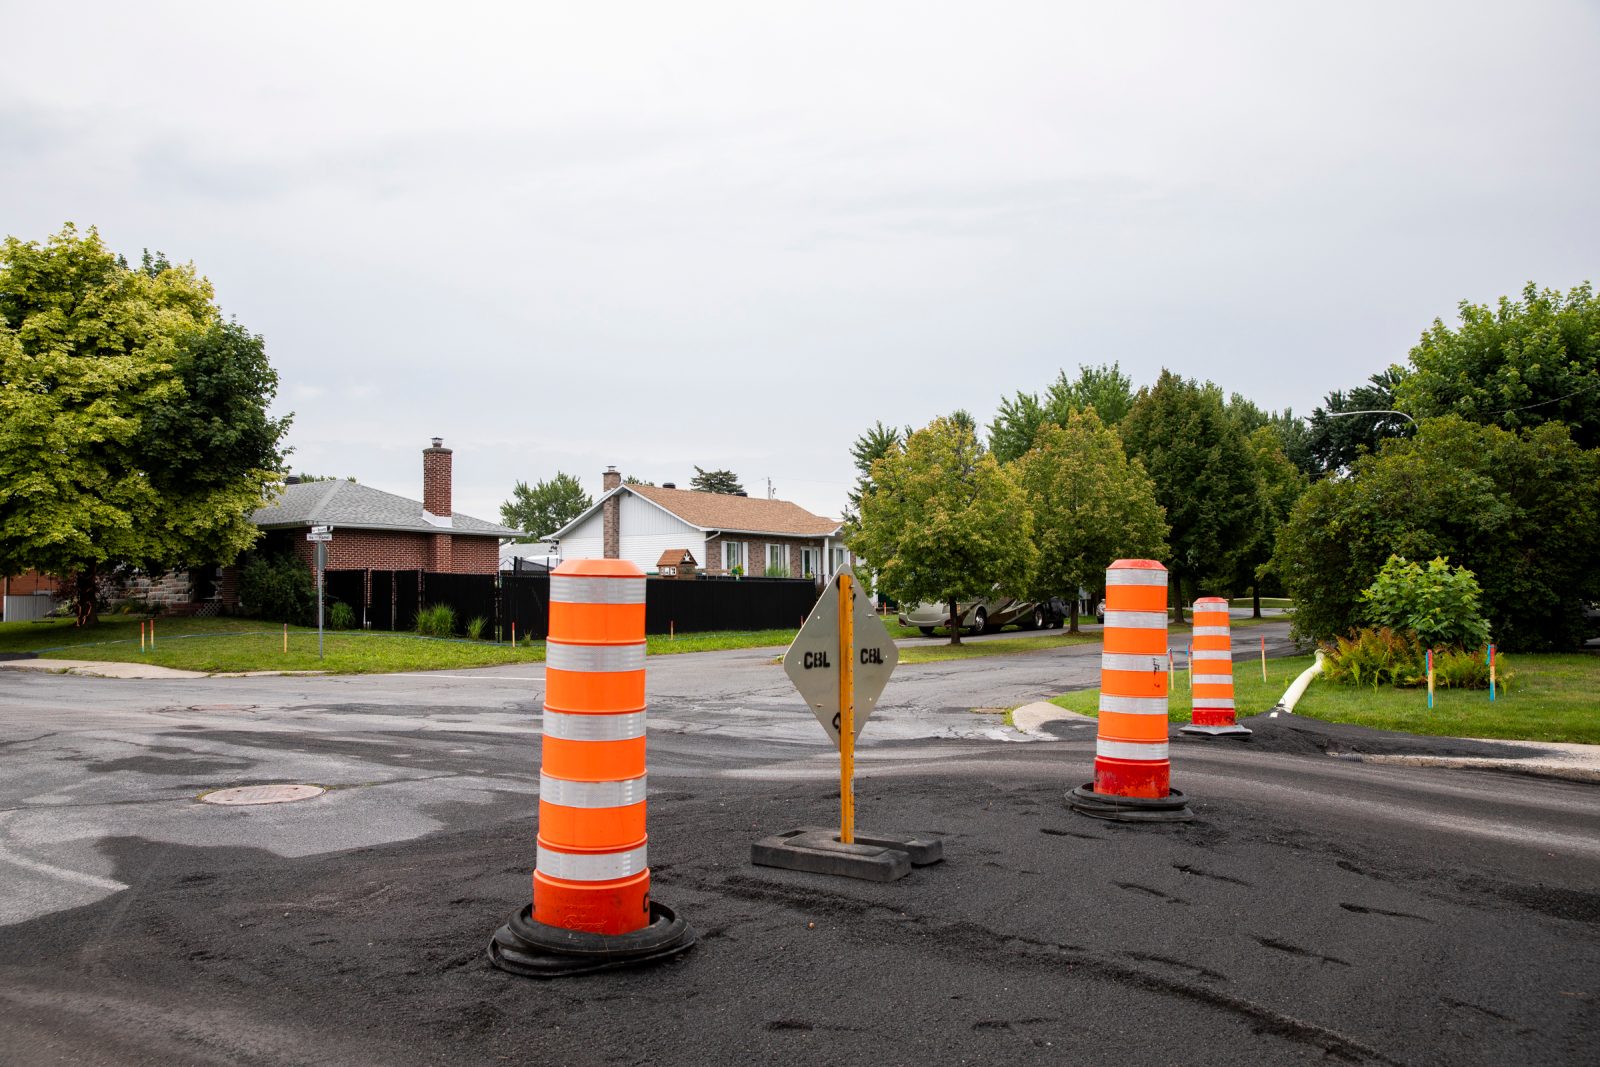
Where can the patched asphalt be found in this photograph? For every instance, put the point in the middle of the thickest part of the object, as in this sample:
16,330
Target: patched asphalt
1316,909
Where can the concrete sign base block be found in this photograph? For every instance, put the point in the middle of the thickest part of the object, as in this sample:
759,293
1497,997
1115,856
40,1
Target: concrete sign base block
873,857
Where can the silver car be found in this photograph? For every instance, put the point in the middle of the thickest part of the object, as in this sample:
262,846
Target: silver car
976,616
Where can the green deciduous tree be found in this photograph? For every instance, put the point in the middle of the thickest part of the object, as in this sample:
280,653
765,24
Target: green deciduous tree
1104,388
1019,419
1015,425
721,481
1204,478
1279,484
133,424
1521,511
943,521
542,509
1518,364
1091,505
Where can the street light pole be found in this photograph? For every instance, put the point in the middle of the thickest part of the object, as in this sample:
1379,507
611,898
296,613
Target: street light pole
1380,411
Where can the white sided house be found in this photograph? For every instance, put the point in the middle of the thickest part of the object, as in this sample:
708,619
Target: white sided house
727,534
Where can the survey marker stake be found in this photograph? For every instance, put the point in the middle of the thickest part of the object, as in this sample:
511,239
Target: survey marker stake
840,661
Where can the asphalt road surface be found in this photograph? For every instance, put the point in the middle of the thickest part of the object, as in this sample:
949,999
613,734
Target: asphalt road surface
1317,909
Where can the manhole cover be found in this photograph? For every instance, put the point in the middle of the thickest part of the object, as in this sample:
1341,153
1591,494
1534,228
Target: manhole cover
262,794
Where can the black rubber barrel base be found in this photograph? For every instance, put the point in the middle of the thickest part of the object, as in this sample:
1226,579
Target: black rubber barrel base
1174,807
530,948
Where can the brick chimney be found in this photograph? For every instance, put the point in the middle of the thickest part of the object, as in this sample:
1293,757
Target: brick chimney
436,479
611,515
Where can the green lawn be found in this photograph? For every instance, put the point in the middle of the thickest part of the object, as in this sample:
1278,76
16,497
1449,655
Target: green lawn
1552,698
999,646
230,645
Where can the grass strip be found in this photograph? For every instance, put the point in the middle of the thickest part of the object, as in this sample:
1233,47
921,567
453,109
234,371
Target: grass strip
1000,646
233,645
1551,699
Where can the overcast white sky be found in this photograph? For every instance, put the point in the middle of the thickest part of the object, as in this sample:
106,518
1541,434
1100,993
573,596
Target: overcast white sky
733,235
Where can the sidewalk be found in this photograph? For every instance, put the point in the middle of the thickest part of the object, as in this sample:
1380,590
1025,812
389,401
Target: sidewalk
85,668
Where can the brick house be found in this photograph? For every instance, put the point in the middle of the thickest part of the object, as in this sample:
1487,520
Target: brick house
374,530
642,522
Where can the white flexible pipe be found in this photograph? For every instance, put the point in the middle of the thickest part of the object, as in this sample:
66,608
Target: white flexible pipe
1297,688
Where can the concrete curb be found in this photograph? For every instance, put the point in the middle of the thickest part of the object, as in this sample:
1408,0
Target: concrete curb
1031,718
1570,762
1573,763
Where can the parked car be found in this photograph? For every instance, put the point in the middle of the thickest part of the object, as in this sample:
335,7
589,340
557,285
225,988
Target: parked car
980,616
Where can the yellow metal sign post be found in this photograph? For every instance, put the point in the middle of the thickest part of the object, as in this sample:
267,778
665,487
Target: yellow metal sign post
840,661
847,709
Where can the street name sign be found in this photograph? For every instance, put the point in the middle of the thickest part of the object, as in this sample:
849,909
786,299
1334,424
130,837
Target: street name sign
319,537
812,662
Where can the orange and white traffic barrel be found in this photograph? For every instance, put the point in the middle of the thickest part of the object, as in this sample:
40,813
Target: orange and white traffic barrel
1211,668
1131,767
591,883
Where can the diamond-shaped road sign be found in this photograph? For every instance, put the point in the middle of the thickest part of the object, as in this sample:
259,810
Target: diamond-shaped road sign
812,661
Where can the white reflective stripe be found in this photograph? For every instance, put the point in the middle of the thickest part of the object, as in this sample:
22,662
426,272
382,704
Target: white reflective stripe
1130,750
1132,661
1210,631
1136,576
1133,705
621,794
576,589
1213,703
1212,653
1210,603
591,867
560,656
1137,620
568,727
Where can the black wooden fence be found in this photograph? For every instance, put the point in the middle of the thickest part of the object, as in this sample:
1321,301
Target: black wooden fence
684,606
712,604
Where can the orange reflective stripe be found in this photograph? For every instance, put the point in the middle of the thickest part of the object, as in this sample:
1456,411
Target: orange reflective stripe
591,828
1118,727
1136,598
1134,683
594,690
592,761
599,624
1146,642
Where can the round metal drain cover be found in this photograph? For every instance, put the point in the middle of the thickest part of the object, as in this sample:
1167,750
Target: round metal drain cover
262,794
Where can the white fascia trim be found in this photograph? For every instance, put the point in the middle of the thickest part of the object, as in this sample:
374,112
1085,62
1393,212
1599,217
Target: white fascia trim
593,510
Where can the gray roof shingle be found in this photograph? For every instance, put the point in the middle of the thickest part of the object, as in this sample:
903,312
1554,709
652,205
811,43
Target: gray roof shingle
352,505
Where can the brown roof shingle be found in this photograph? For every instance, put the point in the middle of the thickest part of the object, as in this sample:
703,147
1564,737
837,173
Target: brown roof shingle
720,511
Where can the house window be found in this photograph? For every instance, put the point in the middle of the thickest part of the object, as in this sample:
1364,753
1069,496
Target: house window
838,560
778,560
809,560
733,556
